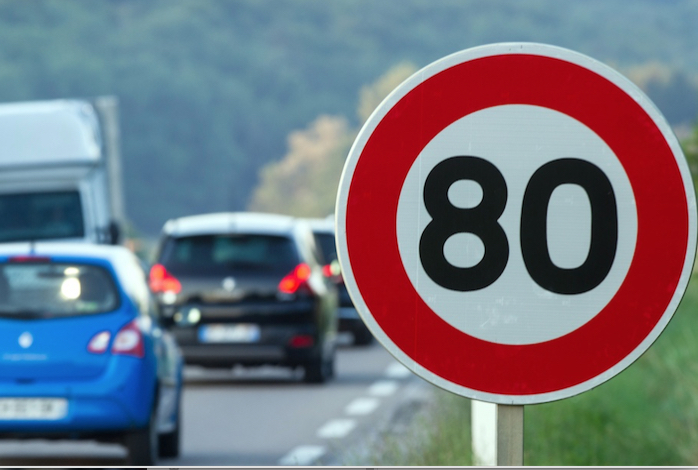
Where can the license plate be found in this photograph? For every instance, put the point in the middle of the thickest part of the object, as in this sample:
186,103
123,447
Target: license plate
33,408
220,333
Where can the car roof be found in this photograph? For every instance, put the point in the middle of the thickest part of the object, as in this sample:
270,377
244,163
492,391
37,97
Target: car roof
68,249
230,222
325,225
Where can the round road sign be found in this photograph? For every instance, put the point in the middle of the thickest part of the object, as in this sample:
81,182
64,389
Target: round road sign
516,223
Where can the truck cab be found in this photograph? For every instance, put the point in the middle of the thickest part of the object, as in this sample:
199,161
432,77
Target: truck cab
55,181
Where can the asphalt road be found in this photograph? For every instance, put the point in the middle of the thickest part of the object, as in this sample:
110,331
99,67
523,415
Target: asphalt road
264,417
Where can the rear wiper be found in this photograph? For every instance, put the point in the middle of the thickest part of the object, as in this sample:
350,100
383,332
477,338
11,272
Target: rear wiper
28,314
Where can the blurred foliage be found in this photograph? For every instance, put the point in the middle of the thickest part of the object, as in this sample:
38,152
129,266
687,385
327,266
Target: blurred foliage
304,183
646,416
690,150
210,89
370,96
673,91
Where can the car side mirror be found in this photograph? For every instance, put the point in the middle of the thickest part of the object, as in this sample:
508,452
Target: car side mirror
114,233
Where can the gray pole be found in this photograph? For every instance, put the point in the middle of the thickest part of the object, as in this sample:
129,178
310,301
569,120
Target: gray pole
497,434
510,437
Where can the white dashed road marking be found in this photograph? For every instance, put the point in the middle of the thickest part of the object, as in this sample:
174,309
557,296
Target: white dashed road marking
362,406
383,388
337,428
397,371
302,455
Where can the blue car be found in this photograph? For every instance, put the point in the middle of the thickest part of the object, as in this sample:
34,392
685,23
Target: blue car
82,354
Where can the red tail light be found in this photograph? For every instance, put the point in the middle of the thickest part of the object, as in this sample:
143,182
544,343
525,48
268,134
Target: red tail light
296,280
162,281
99,342
333,272
301,341
29,259
129,341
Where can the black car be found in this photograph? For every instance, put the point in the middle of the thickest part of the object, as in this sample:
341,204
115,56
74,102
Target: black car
247,289
349,319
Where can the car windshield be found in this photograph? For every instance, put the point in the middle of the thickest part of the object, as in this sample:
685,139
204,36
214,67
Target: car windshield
40,216
45,290
327,245
221,254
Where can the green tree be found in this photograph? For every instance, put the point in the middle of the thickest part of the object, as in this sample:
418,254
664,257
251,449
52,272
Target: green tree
304,183
673,91
690,150
209,90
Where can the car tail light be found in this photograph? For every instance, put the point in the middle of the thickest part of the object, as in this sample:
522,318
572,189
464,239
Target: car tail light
296,280
333,272
99,342
129,341
29,259
301,341
162,281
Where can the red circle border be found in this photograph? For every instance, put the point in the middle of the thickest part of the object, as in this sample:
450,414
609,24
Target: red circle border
527,79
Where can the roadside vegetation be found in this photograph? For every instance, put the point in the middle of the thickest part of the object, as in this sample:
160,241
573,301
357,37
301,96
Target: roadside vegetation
646,416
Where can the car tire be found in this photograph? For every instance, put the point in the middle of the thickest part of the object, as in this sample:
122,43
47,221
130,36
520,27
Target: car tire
142,445
329,365
362,337
169,442
319,370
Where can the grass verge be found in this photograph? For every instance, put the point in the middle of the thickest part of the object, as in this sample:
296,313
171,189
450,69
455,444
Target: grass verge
645,416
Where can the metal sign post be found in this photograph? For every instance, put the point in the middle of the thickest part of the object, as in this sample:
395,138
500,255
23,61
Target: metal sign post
497,434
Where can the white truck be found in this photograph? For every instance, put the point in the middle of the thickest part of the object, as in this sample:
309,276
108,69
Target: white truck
60,172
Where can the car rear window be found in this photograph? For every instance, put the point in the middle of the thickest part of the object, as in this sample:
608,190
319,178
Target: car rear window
41,216
45,290
221,254
327,246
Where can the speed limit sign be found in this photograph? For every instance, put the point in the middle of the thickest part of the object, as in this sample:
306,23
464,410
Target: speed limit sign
516,223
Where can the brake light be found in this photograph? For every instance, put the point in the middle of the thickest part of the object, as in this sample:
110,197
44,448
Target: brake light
333,272
29,259
301,341
99,342
129,341
327,270
162,281
296,280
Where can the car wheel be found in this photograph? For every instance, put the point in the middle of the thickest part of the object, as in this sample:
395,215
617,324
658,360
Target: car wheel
362,337
142,445
319,370
330,367
169,442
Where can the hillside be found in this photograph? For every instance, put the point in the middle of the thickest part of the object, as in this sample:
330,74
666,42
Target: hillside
210,89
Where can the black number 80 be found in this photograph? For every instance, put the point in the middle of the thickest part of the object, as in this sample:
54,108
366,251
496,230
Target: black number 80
482,221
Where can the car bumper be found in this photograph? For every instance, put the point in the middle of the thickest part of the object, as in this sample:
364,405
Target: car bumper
288,345
120,399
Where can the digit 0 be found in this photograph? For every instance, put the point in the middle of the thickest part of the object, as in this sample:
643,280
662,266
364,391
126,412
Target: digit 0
482,221
604,226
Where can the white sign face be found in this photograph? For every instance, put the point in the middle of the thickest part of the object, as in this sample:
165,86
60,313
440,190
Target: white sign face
516,223
517,140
